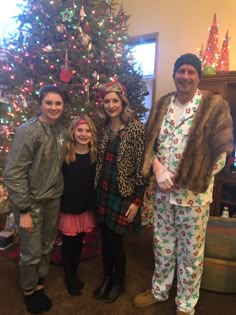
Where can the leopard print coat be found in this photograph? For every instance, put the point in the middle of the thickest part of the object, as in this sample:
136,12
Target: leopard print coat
130,157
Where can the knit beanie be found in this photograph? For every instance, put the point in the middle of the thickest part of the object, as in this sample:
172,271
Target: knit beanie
189,59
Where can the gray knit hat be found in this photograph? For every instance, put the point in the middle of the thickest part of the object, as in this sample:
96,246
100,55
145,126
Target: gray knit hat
189,59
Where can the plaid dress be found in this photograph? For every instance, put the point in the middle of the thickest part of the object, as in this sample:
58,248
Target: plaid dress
111,205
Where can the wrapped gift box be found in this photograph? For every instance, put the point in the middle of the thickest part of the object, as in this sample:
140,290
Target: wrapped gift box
6,239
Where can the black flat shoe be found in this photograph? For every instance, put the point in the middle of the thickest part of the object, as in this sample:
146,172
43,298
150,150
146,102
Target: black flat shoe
45,301
103,289
113,294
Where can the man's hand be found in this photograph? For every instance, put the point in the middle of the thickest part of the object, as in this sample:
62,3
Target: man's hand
163,176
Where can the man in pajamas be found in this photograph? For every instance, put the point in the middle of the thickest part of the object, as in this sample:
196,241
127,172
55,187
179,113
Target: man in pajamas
189,133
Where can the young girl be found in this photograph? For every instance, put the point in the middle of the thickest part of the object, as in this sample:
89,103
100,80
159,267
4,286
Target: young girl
79,197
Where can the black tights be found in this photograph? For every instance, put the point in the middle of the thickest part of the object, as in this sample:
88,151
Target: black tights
71,252
114,255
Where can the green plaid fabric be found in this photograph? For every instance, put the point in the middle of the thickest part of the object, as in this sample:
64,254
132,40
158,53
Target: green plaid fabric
111,206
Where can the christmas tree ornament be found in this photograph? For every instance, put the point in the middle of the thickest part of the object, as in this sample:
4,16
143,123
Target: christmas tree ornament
15,104
61,28
67,15
47,49
96,77
30,85
85,39
24,102
82,13
209,70
86,87
11,127
111,19
87,27
66,73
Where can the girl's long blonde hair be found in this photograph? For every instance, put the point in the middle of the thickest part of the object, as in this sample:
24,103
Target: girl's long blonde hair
70,155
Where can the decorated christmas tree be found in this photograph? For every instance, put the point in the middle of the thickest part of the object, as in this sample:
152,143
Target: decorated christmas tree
77,44
211,54
201,53
223,63
213,61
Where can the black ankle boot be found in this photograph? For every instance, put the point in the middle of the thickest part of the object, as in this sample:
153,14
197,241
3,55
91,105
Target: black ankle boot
33,304
103,289
114,293
45,301
72,284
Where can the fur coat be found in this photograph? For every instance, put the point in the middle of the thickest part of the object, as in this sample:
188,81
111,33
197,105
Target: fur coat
210,135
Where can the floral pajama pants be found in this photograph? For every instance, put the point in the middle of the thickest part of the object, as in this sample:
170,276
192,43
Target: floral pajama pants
179,238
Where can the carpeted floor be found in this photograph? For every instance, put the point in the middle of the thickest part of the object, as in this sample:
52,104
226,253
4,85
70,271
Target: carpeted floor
138,279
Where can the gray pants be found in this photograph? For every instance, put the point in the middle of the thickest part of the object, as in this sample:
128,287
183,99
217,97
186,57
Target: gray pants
36,246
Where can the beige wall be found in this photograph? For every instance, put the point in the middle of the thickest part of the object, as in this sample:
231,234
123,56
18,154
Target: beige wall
183,26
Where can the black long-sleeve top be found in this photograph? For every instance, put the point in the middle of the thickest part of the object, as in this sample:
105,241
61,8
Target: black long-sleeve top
79,193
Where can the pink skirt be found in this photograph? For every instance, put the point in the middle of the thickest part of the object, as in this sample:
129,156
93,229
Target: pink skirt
72,224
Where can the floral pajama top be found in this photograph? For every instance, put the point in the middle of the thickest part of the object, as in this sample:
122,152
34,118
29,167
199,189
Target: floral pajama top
171,141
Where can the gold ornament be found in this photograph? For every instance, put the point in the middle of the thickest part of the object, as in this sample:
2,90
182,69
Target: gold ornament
61,28
85,39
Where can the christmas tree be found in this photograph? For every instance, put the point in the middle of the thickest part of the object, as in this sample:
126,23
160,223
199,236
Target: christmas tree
211,54
201,53
76,44
223,64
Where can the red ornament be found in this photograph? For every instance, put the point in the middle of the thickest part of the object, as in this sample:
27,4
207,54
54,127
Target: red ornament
31,88
87,27
66,73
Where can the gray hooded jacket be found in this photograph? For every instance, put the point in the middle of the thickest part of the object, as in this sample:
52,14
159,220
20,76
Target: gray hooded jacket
33,165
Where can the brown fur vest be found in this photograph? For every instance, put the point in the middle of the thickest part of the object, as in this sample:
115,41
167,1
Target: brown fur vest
210,135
